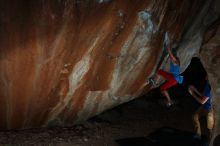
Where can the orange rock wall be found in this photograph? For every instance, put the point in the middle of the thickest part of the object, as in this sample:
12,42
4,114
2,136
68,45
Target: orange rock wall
63,61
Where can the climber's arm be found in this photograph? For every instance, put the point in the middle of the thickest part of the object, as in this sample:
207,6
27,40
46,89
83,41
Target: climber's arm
197,95
172,57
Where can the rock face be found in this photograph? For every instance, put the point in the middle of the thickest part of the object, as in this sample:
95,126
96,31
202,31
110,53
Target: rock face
63,61
210,55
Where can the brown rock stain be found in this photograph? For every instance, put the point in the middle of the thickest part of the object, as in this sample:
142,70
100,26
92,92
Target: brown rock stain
104,57
3,107
77,105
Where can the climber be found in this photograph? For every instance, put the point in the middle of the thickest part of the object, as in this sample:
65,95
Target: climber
172,78
205,109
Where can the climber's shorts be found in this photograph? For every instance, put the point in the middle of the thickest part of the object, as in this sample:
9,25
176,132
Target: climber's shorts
170,80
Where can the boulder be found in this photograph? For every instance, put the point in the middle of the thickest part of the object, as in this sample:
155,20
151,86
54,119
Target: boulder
63,61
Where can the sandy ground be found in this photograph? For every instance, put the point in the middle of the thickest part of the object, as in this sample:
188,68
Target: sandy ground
137,118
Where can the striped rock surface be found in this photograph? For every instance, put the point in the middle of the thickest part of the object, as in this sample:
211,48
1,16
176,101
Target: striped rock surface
63,61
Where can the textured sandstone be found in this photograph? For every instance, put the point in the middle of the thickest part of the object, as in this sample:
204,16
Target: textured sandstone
63,61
